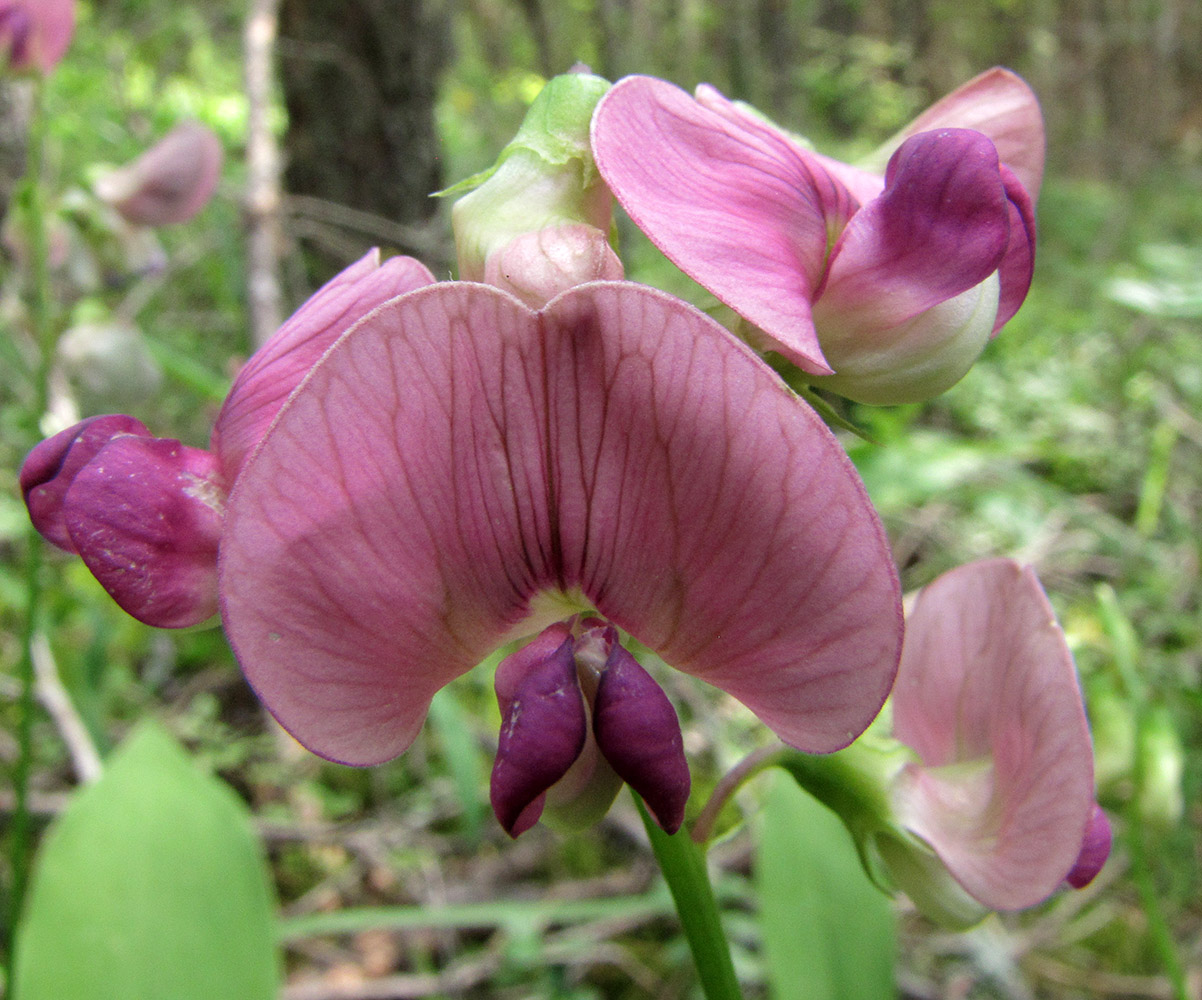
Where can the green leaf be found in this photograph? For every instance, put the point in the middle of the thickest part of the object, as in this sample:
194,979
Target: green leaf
150,886
828,932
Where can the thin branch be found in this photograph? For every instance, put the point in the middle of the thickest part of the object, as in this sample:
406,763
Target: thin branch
57,702
262,176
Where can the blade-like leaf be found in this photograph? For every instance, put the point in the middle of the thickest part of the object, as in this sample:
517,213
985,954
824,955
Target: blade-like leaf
150,886
828,931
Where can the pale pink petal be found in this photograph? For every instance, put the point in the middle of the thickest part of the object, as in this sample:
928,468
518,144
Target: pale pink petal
729,199
170,182
51,467
940,228
988,697
1002,105
457,455
278,367
145,516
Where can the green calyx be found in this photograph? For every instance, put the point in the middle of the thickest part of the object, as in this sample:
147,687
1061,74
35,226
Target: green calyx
555,129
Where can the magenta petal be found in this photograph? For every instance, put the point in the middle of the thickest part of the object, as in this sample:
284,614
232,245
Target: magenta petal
638,733
145,516
277,368
459,457
543,727
1095,849
51,468
1018,264
988,697
940,227
729,199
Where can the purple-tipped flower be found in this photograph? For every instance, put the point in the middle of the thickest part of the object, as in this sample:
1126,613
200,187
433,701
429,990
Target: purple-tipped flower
883,287
987,697
35,33
170,182
145,513
461,471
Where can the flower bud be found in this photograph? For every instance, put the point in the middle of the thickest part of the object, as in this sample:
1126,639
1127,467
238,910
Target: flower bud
535,224
170,182
36,34
108,365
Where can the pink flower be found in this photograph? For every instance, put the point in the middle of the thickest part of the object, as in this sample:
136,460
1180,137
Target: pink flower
883,287
461,471
146,514
987,697
36,33
170,182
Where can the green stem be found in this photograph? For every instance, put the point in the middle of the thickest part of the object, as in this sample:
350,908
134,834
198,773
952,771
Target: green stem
683,865
1125,644
44,334
1141,869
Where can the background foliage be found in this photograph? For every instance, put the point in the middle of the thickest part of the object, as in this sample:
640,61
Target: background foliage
1074,445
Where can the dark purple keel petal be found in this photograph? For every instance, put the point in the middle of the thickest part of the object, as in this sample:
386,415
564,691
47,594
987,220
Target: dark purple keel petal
145,515
1018,263
1095,849
543,727
940,228
278,367
51,468
638,732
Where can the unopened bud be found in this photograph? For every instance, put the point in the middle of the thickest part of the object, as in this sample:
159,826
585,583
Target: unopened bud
536,223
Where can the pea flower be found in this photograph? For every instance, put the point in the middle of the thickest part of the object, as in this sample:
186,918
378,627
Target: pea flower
146,513
460,472
882,287
36,33
170,182
984,797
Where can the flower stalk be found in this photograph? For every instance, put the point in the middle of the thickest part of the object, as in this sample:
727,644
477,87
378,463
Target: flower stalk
683,864
41,320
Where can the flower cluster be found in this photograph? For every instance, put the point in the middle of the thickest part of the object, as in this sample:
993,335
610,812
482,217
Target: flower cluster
546,459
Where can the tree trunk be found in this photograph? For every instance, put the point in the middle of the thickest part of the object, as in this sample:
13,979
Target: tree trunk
360,78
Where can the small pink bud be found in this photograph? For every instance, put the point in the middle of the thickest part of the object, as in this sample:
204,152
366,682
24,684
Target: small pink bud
538,266
170,182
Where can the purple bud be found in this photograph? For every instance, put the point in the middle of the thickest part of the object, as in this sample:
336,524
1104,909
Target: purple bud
51,468
1095,849
543,727
638,732
145,515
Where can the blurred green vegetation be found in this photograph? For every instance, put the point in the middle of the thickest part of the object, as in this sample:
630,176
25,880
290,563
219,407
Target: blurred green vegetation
1074,444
